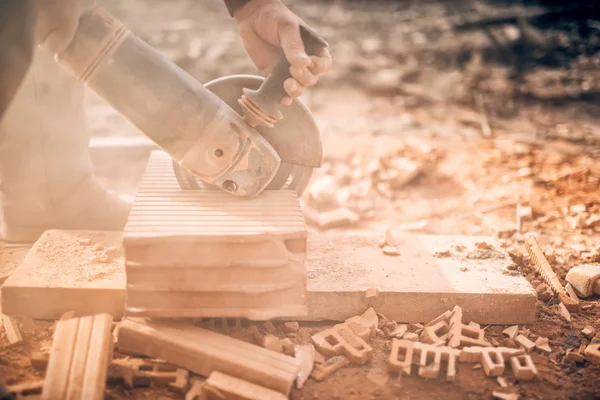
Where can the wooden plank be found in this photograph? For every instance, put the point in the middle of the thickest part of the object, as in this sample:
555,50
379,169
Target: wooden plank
203,352
79,359
234,388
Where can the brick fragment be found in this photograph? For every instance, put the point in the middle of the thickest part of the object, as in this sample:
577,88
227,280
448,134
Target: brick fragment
523,367
592,353
527,344
13,333
503,396
460,334
335,363
196,392
360,326
305,358
228,387
400,330
511,331
574,356
429,357
257,336
371,316
444,317
27,390
269,327
411,336
181,383
588,332
492,359
542,344
272,343
287,347
289,327
137,372
67,315
390,251
342,340
435,333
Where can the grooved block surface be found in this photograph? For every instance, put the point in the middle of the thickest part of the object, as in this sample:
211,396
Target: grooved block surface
203,352
79,271
163,210
239,389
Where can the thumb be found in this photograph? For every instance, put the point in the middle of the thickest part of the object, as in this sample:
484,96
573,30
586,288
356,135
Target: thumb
292,45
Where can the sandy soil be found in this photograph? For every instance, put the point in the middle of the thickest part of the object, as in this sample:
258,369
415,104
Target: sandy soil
502,135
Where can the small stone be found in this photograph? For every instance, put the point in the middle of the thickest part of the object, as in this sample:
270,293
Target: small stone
588,332
290,327
505,396
390,240
391,251
544,292
574,357
85,241
511,331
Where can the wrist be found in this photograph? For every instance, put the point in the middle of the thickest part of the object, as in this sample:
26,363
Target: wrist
250,6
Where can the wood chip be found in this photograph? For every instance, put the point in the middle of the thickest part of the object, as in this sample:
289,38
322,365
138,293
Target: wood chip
511,331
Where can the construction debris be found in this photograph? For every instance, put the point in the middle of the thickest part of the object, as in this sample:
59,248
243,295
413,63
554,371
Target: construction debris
12,330
391,251
305,357
39,361
588,332
135,372
527,344
272,343
574,356
523,367
585,279
491,358
429,358
342,340
460,334
564,312
511,331
222,386
592,353
202,352
322,371
503,396
26,390
79,358
287,347
544,268
290,327
542,344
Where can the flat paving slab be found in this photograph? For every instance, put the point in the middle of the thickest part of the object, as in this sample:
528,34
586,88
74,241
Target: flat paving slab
347,273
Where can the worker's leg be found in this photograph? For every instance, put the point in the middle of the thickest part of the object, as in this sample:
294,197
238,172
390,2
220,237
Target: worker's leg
46,176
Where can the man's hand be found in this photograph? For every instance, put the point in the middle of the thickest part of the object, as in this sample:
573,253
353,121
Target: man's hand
57,22
266,28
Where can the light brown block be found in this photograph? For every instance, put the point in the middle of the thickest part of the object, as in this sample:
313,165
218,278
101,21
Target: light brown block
592,353
234,388
61,274
202,351
527,344
79,358
322,371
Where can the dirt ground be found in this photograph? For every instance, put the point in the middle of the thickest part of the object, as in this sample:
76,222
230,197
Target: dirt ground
484,122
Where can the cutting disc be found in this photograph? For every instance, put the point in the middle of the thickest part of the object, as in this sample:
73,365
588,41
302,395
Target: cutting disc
296,137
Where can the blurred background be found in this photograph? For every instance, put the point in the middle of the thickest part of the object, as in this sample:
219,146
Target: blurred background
439,115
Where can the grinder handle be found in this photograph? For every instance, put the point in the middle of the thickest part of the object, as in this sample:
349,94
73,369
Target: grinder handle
270,93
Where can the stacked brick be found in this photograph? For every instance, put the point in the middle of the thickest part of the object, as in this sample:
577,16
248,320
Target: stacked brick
205,253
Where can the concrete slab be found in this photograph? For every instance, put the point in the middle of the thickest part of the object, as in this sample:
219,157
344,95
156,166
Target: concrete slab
431,275
68,270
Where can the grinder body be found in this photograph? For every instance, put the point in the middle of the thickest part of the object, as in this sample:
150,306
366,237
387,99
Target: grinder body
194,126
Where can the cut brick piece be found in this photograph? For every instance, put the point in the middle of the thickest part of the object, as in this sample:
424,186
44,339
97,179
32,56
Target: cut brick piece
429,358
39,361
588,332
196,392
435,333
342,340
411,336
574,356
492,359
460,334
523,367
444,317
79,358
592,353
360,326
142,373
202,352
322,371
234,388
527,344
272,343
12,330
72,279
511,331
305,357
503,396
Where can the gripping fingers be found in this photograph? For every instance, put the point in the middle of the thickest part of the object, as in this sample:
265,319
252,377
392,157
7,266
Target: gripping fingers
293,88
321,63
304,76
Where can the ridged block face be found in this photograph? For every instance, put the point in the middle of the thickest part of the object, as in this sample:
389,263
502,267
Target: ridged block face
206,253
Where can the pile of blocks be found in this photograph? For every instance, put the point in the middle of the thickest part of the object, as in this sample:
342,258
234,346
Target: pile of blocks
205,253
